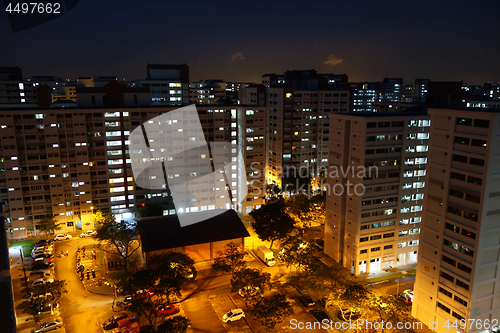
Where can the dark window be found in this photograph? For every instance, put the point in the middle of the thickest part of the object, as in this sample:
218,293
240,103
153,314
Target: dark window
462,284
363,239
375,237
397,124
363,251
466,251
371,125
481,123
464,121
464,268
444,291
456,193
389,235
459,158
476,161
447,276
459,176
459,317
384,124
387,247
462,140
445,308
474,180
375,249
450,261
364,227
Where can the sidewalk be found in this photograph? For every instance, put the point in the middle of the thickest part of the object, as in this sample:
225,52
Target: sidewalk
392,273
24,320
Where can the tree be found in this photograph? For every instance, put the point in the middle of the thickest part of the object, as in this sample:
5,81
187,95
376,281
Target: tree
171,270
389,309
270,311
252,278
166,273
150,209
116,237
230,259
48,224
299,253
52,290
327,278
178,324
272,222
349,298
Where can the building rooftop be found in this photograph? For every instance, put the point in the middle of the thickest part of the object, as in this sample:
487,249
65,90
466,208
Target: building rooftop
165,232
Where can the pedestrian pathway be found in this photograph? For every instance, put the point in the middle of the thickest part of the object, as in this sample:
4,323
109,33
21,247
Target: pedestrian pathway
87,270
25,321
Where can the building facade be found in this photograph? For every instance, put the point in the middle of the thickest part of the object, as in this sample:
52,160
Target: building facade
69,162
376,169
457,275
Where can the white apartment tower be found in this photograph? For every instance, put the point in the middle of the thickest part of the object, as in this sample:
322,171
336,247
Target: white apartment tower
376,169
458,264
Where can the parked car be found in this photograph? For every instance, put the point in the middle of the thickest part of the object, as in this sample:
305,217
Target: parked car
249,291
44,274
233,315
62,237
88,233
404,297
129,325
41,265
41,250
41,272
349,315
50,325
41,242
112,322
41,257
320,315
305,300
42,304
167,309
140,294
40,281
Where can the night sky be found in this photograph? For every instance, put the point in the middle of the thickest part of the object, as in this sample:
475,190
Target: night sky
240,41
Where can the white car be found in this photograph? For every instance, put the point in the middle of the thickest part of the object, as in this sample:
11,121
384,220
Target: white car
249,291
44,274
50,325
88,233
62,237
40,272
233,315
40,281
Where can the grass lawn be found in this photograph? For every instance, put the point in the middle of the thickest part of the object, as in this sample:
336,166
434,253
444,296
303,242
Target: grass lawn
27,246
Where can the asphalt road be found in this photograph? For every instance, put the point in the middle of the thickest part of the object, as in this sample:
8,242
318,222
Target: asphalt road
391,286
83,312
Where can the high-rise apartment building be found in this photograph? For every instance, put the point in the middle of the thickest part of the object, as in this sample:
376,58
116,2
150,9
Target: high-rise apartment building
207,91
457,275
69,161
376,168
298,111
169,84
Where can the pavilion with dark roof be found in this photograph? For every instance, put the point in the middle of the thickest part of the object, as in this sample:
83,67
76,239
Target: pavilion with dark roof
198,240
